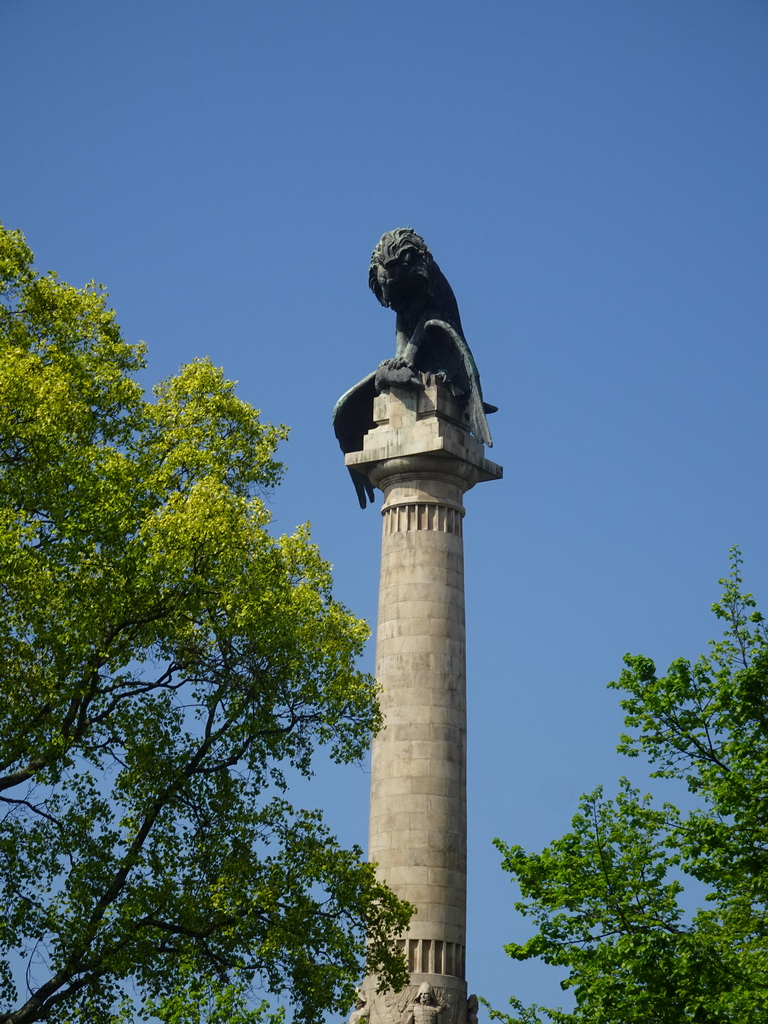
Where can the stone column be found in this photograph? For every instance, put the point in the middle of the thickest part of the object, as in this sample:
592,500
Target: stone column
423,458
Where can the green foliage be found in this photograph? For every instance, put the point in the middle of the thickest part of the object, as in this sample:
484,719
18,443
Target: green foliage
605,898
163,660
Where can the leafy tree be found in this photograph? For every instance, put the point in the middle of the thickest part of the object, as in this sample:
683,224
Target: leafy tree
606,897
163,661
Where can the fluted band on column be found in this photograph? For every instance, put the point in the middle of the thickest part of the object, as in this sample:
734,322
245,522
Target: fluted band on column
422,516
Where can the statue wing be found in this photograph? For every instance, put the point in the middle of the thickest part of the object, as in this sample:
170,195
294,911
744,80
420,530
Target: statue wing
352,419
461,371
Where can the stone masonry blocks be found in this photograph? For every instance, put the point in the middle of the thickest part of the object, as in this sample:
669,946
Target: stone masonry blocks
423,458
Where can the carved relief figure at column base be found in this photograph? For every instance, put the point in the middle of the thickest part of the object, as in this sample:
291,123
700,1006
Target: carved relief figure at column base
426,1009
361,1011
440,1001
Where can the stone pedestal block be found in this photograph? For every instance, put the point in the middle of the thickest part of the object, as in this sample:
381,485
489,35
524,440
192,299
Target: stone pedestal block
423,458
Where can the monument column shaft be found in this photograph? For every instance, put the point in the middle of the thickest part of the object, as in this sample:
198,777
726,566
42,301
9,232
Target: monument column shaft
418,772
423,457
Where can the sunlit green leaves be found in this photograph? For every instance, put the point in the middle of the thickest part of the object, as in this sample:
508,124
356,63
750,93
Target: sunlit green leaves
606,899
164,660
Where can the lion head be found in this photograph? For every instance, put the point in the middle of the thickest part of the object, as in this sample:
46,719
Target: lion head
402,269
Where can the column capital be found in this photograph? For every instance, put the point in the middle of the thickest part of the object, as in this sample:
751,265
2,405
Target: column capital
422,432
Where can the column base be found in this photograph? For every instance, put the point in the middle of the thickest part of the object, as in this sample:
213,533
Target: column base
448,1002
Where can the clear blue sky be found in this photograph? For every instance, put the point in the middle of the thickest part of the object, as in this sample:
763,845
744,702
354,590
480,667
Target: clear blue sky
590,175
